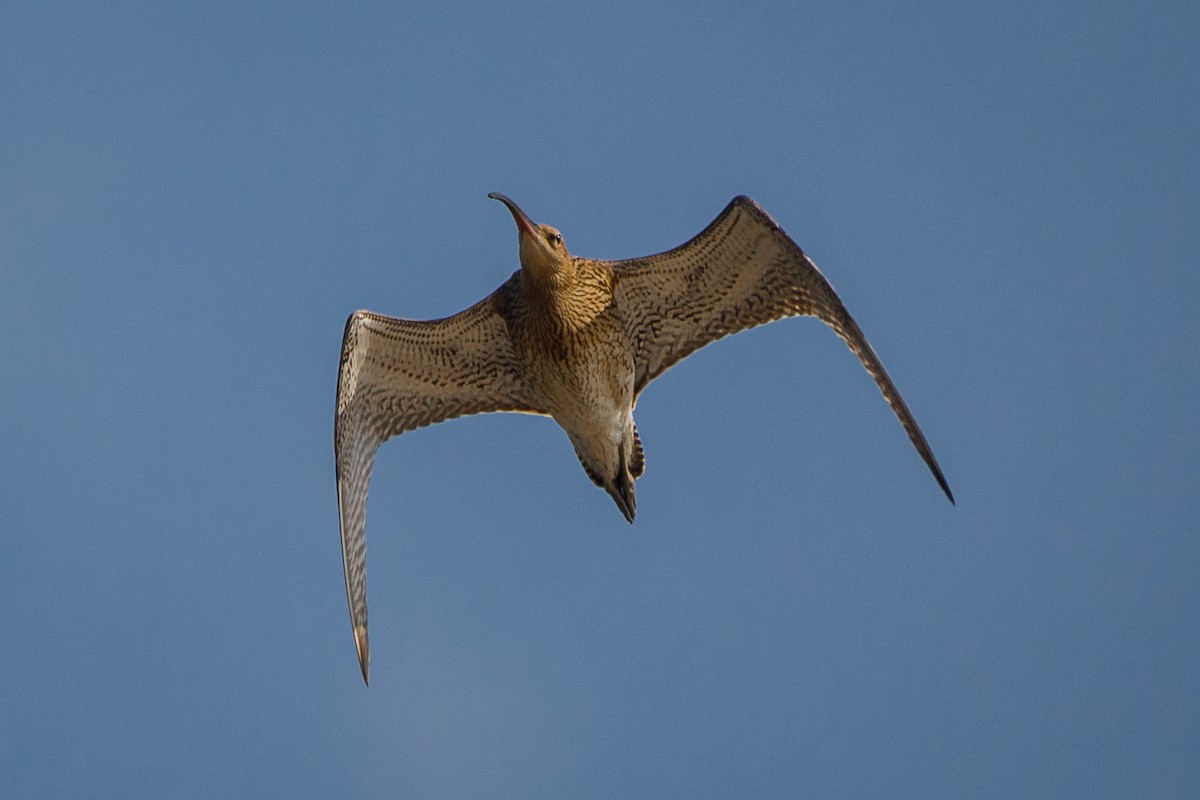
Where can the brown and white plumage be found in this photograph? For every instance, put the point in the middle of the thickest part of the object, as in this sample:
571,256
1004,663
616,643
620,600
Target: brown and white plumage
576,339
397,375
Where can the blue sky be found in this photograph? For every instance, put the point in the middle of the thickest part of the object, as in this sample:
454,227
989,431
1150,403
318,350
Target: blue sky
192,199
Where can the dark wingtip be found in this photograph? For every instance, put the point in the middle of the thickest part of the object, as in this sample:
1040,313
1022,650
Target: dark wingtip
364,652
937,473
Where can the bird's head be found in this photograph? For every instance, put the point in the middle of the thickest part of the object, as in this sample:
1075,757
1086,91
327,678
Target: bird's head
544,256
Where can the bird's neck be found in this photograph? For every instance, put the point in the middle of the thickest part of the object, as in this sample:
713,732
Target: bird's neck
571,300
547,282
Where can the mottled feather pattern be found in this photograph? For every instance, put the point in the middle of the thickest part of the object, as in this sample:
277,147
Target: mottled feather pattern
741,271
733,276
398,375
578,339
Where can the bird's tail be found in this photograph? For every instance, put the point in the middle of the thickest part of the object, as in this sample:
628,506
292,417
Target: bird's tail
620,488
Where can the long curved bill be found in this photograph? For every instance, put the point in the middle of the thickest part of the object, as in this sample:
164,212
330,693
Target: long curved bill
525,226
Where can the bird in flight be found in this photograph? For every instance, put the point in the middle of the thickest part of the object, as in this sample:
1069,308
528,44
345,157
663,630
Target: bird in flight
575,339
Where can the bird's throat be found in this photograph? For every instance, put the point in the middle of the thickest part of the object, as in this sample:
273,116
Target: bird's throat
570,300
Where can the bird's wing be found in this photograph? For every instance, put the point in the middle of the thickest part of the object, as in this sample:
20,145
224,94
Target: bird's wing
741,271
397,375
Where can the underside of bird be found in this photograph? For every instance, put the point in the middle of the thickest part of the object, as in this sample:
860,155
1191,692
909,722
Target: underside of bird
620,485
577,339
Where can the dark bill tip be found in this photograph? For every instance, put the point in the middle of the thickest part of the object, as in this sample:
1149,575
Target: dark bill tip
524,223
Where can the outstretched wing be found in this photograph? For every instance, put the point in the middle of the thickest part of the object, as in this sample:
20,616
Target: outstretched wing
739,272
397,375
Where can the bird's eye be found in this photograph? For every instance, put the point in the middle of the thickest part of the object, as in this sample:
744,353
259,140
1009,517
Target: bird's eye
555,239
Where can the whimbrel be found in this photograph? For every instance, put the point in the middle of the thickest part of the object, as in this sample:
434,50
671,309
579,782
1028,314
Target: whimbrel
578,340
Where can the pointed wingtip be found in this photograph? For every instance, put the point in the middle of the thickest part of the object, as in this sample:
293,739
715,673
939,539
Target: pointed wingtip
945,487
364,653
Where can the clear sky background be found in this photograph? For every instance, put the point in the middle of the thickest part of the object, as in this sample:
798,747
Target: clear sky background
193,197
